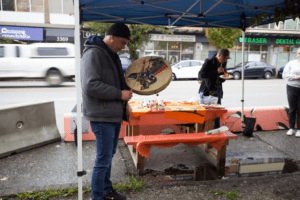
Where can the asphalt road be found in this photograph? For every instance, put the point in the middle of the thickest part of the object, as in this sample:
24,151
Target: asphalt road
257,92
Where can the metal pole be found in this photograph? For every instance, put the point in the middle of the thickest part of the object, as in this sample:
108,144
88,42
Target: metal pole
78,90
243,47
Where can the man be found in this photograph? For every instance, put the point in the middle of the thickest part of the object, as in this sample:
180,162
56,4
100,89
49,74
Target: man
210,74
105,94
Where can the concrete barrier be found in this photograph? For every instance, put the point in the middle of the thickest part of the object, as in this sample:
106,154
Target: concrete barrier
27,126
267,118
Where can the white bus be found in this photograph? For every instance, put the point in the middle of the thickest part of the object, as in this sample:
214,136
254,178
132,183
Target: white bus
55,62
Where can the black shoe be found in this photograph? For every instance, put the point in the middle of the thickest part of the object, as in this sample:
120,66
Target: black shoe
114,195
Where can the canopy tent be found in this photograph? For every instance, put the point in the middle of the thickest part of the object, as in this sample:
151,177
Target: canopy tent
204,13
196,13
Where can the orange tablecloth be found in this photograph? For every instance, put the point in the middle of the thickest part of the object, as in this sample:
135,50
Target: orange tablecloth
183,111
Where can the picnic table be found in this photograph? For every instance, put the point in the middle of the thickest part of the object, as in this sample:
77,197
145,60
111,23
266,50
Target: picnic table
191,116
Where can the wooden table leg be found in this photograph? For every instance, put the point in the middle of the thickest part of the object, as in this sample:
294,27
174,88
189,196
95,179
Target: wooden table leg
221,159
217,158
137,158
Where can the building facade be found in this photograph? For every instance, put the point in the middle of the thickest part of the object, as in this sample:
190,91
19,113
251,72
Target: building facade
37,20
53,21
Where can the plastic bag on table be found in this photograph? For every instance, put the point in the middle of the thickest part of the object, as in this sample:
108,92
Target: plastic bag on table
210,100
195,98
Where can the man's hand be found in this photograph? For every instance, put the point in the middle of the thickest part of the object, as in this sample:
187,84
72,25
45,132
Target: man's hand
220,70
126,95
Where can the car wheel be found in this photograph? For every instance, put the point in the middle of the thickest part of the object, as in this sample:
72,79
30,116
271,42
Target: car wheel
236,75
267,75
173,77
54,77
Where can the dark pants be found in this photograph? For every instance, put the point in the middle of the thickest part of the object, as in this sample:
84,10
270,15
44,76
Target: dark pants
107,136
293,95
217,120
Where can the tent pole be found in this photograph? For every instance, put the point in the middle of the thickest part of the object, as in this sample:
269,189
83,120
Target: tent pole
78,96
243,52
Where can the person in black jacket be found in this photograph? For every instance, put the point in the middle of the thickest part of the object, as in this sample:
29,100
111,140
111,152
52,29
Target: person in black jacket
210,75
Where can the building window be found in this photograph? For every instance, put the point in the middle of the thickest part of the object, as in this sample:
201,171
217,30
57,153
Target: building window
171,51
37,5
254,47
23,6
55,6
266,26
290,24
174,46
272,26
281,25
160,45
264,47
8,5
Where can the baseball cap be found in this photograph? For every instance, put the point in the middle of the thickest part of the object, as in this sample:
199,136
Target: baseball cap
225,53
119,30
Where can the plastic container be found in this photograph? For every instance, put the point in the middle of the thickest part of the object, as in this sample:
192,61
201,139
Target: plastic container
217,131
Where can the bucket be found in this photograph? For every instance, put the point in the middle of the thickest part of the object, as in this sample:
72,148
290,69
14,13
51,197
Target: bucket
249,126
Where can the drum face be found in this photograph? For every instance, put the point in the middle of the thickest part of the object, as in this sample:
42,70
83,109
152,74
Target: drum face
148,75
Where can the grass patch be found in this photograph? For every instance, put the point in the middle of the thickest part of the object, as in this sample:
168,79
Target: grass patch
134,185
233,195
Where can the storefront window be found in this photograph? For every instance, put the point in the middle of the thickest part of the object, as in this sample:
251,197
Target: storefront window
162,54
149,46
239,47
160,45
8,5
68,7
174,46
187,46
275,48
173,57
264,47
55,6
239,57
284,48
23,5
230,62
254,47
293,52
37,6
187,56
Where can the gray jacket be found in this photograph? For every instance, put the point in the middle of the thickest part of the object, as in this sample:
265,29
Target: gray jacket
102,81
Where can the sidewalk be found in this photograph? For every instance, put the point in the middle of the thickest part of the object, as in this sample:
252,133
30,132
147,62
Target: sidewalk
54,166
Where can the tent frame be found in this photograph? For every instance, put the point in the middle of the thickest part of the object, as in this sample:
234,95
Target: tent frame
177,15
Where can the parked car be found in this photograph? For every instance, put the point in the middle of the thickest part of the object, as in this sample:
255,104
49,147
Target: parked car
280,71
51,61
125,62
186,69
253,69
